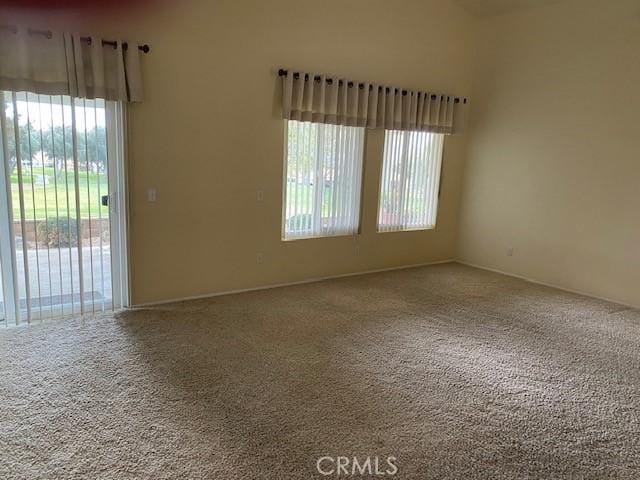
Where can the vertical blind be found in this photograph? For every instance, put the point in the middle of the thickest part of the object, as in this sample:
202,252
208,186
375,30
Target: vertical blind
410,180
61,180
323,176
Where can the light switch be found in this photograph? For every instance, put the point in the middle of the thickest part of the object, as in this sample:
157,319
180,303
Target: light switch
151,194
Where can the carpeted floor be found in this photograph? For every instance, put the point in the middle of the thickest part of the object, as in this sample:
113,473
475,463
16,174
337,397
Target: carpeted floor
456,372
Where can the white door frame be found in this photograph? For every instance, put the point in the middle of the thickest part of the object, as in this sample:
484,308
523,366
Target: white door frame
118,218
118,205
7,244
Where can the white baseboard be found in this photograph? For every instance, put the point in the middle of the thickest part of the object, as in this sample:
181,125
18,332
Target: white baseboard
538,282
288,284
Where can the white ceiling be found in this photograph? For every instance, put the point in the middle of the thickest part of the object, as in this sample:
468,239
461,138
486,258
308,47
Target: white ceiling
489,8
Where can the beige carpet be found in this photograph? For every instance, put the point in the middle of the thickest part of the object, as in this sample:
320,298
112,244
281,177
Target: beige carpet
457,372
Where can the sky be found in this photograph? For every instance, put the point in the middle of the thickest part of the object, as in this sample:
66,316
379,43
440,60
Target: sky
56,110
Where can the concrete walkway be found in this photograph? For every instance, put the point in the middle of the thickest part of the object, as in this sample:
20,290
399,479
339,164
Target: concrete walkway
54,276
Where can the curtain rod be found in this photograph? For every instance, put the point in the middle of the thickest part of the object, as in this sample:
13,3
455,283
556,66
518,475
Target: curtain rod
317,78
47,33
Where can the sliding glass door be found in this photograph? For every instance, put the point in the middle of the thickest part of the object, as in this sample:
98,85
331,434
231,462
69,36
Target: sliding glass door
63,246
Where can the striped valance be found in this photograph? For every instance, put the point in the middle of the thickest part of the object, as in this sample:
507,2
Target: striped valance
56,63
325,99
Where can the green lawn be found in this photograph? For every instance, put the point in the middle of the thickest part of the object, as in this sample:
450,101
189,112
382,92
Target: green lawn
303,195
91,186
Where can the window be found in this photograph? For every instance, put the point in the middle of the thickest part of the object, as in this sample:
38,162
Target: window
323,176
410,181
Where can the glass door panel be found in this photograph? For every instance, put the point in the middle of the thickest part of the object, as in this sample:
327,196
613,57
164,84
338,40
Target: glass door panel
59,159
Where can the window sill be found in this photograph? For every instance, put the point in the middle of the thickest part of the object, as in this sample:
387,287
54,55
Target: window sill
415,229
337,235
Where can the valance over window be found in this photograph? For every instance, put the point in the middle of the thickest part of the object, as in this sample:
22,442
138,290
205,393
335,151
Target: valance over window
68,64
319,98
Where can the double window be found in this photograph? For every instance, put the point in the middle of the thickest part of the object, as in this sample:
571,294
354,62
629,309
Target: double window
323,180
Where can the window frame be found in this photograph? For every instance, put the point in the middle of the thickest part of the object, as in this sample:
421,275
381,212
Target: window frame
438,187
285,162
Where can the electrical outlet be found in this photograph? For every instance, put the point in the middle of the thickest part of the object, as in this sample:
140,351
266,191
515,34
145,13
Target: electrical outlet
510,252
259,258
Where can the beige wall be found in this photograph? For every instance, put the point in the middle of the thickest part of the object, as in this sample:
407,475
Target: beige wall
553,167
552,163
208,135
